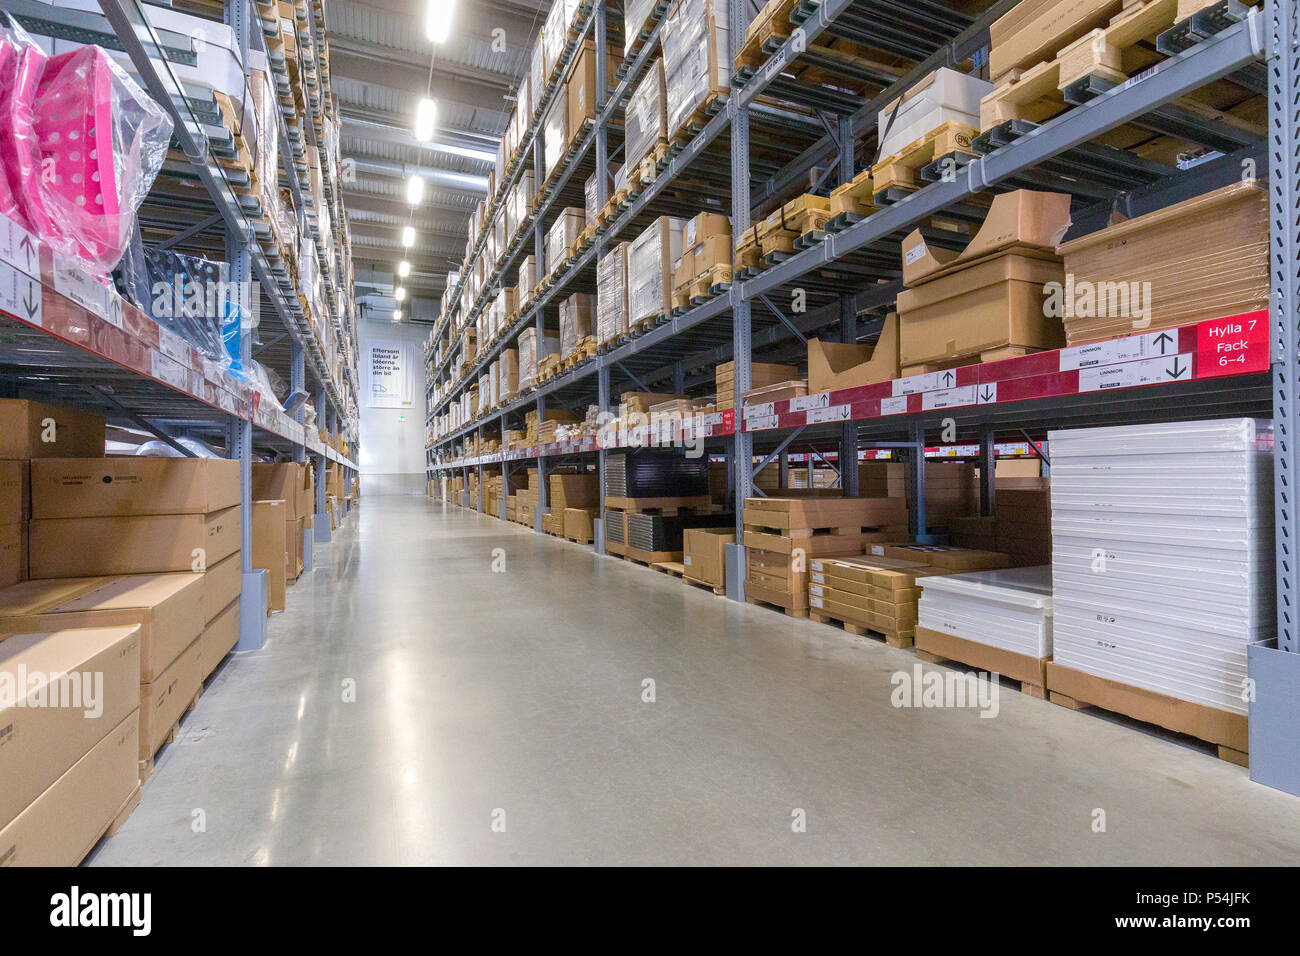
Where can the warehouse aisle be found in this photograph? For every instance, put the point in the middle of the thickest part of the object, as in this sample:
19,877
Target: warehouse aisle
413,703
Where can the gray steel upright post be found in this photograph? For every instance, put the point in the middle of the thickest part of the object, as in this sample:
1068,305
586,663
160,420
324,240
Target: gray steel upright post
1274,671
320,531
602,197
253,593
916,476
741,318
541,460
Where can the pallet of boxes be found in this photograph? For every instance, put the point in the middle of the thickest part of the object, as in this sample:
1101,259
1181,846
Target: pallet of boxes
653,496
575,498
878,592
131,571
784,534
705,261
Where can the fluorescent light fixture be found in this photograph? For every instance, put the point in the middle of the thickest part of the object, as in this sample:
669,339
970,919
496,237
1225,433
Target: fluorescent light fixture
404,268
399,294
437,19
414,189
426,118
397,315
408,236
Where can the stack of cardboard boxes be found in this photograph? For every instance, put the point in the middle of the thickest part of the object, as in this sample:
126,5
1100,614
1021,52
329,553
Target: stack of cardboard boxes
783,534
760,376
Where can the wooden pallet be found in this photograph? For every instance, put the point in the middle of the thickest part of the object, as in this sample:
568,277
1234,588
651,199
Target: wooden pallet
763,597
1226,732
1113,53
972,358
702,285
699,117
719,591
672,568
901,172
858,630
936,647
659,505
147,765
579,538
770,23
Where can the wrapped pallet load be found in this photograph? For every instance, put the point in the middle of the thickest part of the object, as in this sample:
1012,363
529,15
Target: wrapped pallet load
696,64
575,322
636,21
555,137
563,233
611,295
646,118
531,351
650,261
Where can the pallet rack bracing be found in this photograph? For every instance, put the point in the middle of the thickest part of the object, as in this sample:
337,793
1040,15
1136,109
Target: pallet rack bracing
839,270
68,340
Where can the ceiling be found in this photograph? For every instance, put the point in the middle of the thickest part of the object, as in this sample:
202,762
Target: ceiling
379,68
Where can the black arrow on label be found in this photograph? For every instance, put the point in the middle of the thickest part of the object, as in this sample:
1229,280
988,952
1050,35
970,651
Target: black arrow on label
28,304
29,248
1162,340
1176,372
986,396
947,378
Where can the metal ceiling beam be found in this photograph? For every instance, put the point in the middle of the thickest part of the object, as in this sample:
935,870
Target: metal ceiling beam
447,87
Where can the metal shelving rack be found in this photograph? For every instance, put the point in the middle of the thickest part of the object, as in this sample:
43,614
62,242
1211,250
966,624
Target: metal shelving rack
848,288
66,339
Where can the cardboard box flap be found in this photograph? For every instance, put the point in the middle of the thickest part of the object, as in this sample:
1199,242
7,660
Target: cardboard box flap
833,366
1024,219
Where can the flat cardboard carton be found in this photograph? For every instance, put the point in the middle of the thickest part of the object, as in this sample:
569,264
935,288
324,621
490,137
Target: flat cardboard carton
166,698
62,825
833,366
282,481
1023,219
13,554
141,544
219,638
578,523
705,554
994,303
105,487
270,549
167,609
47,735
36,430
943,556
15,492
222,583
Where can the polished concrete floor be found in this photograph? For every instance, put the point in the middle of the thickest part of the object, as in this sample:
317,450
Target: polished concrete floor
415,706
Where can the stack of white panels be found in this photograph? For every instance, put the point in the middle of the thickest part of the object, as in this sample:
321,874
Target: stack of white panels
1162,554
1009,609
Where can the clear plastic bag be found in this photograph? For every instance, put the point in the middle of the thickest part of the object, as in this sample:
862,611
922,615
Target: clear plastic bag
102,140
20,155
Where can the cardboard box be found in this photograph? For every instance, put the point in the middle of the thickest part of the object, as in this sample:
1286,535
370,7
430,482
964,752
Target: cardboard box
15,492
705,554
270,549
104,487
167,609
63,824
139,544
282,481
578,523
164,699
219,638
13,554
222,583
1025,220
943,556
1025,37
294,547
42,741
580,87
833,366
991,304
36,430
